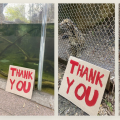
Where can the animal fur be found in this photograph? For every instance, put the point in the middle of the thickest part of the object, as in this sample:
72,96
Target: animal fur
76,39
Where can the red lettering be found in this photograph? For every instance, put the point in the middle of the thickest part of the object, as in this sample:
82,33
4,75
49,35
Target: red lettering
91,76
80,70
85,73
26,74
19,73
13,69
69,84
76,91
30,75
74,63
86,94
12,82
24,86
98,79
19,89
94,99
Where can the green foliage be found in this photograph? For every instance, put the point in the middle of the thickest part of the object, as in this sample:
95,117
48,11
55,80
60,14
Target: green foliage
7,30
22,30
16,12
30,43
50,26
109,105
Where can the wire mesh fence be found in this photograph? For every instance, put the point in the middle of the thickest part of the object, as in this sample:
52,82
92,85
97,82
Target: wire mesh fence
87,31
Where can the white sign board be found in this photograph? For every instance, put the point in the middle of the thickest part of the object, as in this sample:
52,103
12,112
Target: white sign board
20,81
84,84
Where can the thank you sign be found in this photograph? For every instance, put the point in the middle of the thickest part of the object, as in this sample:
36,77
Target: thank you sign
84,84
20,81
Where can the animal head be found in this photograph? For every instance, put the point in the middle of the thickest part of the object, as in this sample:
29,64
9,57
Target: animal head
66,24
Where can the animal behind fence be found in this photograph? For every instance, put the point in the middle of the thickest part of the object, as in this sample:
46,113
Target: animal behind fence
76,39
87,31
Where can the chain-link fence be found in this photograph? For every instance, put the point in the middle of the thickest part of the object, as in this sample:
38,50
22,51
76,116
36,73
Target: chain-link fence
87,31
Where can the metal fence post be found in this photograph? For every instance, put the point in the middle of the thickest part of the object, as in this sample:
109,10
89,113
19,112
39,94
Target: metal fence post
42,45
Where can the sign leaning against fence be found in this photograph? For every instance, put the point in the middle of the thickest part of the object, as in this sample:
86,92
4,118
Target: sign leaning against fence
84,84
20,81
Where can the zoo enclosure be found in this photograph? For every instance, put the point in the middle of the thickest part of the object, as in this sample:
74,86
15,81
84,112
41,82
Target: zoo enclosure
97,24
26,21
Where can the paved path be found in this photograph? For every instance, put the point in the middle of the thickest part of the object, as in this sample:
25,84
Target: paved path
11,104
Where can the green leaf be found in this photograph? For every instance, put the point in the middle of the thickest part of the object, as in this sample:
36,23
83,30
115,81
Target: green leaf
109,104
16,12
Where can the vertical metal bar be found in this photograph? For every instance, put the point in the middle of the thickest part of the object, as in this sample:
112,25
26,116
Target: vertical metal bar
42,45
